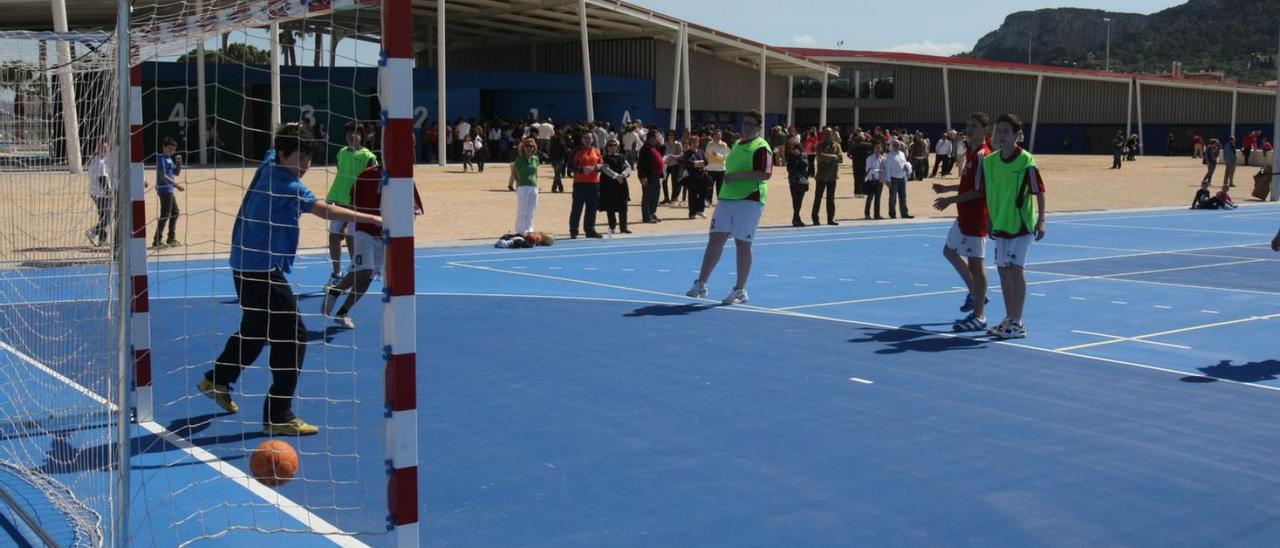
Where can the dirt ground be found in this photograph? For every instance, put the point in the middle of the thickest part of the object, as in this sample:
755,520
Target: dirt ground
471,208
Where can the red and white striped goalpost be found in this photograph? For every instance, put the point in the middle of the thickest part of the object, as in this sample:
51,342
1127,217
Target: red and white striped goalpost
399,319
136,247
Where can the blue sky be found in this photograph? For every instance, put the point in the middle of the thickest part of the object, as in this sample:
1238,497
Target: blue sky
937,27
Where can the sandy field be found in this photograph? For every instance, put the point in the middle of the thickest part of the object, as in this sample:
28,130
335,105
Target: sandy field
475,208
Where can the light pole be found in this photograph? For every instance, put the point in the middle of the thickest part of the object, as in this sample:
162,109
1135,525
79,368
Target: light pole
1107,20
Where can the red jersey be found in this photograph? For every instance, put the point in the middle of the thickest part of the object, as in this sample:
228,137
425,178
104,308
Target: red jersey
366,197
972,215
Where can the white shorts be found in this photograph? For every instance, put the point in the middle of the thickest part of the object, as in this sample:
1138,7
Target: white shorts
973,247
1012,251
739,218
339,227
367,253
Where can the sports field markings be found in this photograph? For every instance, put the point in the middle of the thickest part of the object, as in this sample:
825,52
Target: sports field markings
1079,299
312,522
1117,338
860,380
764,310
1141,338
1163,228
807,278
1210,311
1119,302
1164,307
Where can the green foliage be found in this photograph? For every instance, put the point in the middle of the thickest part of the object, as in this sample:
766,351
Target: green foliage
234,54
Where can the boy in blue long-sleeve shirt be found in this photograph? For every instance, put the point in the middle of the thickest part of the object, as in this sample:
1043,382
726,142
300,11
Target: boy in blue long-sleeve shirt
168,166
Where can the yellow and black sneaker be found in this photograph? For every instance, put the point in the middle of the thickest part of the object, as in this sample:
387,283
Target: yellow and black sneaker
294,427
220,394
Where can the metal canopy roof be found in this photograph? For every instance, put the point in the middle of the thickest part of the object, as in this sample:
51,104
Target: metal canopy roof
473,23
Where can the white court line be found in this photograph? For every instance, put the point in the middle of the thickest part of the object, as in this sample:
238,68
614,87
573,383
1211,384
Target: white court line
314,523
1162,229
1145,253
1169,332
780,312
1117,338
860,380
1155,271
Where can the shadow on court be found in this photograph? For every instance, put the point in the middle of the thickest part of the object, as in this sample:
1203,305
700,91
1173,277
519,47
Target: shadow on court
915,338
668,310
1268,370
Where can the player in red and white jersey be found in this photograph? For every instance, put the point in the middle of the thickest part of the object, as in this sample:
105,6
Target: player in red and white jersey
367,247
967,242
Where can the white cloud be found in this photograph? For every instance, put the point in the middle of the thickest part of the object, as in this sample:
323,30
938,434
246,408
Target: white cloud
932,48
804,40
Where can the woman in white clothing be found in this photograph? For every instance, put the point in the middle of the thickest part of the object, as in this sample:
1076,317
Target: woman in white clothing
524,176
100,190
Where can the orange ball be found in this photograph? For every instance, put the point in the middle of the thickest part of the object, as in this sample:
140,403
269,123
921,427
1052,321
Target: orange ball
274,463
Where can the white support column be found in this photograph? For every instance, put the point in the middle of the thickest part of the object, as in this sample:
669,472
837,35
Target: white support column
675,77
125,380
1035,113
1275,138
275,78
202,132
586,59
791,109
684,81
946,96
1128,117
822,104
764,55
1235,102
1141,136
442,93
70,114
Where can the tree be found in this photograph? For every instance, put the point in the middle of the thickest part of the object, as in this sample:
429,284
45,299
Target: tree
233,54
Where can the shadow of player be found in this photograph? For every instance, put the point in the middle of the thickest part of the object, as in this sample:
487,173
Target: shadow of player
668,310
915,338
1268,370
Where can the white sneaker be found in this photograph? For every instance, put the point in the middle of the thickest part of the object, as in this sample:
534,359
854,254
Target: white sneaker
737,296
699,290
345,322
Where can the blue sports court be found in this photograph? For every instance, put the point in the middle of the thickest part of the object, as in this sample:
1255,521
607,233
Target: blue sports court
573,396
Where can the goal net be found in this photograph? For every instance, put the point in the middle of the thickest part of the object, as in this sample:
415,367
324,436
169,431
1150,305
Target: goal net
212,86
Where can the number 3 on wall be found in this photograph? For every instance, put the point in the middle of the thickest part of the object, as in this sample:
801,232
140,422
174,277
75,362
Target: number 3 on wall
309,115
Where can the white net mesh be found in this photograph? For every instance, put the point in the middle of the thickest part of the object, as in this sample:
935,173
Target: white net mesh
328,76
58,341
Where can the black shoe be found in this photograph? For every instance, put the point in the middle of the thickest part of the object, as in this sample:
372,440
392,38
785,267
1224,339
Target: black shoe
879,218
905,216
797,223
573,235
596,235
815,222
625,230
893,215
832,223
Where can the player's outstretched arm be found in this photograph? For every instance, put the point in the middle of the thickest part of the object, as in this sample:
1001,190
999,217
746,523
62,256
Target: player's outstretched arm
331,212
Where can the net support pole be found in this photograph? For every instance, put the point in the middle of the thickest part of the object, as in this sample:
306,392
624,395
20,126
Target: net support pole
202,132
1275,138
1141,137
791,109
442,93
586,59
66,81
275,78
684,80
1035,113
946,97
124,249
1128,117
822,103
764,56
675,78
399,332
857,95
1235,103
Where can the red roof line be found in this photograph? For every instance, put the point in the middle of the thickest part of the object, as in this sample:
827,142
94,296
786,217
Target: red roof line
965,61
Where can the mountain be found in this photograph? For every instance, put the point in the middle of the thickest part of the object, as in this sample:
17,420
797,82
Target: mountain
1238,37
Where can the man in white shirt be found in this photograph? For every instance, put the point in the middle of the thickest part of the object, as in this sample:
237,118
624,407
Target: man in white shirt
898,169
631,143
101,167
461,132
545,131
942,154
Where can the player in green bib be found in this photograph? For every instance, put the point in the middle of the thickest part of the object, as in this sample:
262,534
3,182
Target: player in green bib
742,198
352,160
1014,191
